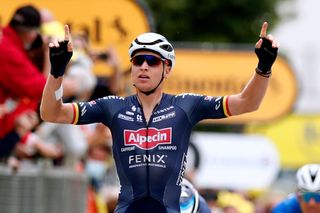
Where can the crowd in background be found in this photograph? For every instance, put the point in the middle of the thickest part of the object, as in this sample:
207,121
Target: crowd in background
25,139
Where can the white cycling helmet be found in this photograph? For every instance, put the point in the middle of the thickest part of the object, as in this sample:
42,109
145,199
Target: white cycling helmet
153,42
308,178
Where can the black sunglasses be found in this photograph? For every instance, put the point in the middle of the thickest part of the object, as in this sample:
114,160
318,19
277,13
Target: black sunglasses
150,59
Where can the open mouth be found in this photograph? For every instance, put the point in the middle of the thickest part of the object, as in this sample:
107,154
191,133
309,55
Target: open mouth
144,77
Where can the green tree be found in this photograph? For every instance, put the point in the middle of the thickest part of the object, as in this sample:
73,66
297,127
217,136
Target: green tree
235,21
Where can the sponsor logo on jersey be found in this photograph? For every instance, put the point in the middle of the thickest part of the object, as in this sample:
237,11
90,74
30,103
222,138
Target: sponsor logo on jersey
147,138
218,103
147,160
164,117
83,110
91,103
167,148
182,169
139,118
188,94
133,108
128,149
208,98
129,113
163,110
113,97
125,117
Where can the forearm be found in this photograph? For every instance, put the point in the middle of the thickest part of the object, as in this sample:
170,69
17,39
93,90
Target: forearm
52,108
250,98
51,103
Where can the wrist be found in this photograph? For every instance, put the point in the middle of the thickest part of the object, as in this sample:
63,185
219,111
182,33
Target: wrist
265,74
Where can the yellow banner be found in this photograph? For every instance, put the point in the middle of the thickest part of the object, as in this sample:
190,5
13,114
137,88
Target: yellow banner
297,138
218,73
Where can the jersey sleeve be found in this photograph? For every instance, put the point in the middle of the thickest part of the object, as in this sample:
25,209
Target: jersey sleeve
100,110
199,107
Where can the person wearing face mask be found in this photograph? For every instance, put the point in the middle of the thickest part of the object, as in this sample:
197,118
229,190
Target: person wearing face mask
20,79
96,166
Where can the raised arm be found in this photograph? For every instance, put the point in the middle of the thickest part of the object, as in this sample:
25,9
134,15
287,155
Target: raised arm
250,98
52,108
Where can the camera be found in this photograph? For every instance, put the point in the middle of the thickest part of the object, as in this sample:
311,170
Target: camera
102,56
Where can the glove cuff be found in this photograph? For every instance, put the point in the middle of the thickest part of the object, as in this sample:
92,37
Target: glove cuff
266,74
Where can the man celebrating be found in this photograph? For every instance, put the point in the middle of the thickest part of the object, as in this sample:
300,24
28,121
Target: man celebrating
151,129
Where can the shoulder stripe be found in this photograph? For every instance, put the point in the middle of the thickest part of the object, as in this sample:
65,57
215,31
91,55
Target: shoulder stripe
75,108
226,106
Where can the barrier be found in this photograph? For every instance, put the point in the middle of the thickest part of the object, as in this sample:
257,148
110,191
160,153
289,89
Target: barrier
39,190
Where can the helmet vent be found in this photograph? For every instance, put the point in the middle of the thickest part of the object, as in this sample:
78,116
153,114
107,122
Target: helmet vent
313,176
148,43
166,47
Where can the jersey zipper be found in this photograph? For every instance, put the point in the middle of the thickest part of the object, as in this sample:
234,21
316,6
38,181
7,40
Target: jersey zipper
147,133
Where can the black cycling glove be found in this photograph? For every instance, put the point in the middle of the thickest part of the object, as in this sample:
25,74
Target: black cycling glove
266,55
59,58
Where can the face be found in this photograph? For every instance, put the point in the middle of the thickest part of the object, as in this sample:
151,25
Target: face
147,76
29,36
309,202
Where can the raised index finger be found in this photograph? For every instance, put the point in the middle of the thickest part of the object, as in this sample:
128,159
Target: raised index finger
66,33
263,32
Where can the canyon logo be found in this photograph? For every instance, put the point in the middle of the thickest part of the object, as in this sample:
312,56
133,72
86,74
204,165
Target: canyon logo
147,138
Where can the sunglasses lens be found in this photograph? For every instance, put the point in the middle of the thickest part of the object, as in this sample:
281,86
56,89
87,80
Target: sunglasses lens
307,196
150,59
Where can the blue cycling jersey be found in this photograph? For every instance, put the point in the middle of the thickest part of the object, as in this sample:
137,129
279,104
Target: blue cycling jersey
150,156
289,205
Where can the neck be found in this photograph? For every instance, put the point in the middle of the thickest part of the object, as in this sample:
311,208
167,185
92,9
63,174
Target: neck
150,101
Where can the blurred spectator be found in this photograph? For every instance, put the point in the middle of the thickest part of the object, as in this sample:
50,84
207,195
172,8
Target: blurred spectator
0,33
107,85
233,202
20,80
97,166
100,166
81,69
82,64
3,109
307,197
22,125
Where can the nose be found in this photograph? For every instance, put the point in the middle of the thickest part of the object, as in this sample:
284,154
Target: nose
144,65
312,202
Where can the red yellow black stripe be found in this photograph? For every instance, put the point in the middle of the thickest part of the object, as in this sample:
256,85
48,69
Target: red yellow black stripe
75,108
226,106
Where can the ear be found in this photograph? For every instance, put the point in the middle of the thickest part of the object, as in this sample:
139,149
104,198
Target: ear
167,71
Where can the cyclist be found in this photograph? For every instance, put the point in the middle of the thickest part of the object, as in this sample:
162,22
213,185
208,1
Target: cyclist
190,199
307,197
151,129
